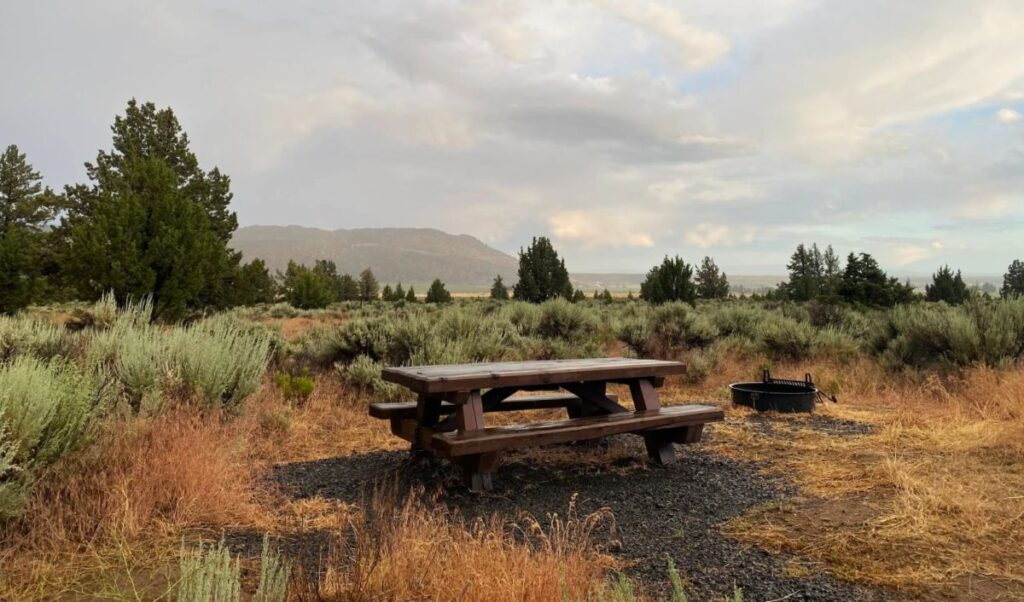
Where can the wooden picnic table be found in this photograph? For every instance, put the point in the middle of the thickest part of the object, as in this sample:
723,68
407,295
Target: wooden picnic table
447,418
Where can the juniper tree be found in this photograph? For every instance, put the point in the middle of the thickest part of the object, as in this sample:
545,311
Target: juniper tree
947,286
151,221
368,287
498,290
386,293
348,288
542,274
253,284
410,295
437,293
670,281
1013,280
399,293
307,288
711,282
25,208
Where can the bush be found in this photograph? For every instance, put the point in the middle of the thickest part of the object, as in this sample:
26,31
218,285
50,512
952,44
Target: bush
365,374
45,409
28,336
296,387
565,321
785,338
677,326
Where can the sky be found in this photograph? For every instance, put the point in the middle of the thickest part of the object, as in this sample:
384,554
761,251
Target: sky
624,131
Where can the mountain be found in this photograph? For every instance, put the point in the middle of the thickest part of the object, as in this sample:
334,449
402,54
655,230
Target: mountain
409,255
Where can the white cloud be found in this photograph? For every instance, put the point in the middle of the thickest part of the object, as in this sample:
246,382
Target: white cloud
988,207
692,47
708,235
1008,115
600,229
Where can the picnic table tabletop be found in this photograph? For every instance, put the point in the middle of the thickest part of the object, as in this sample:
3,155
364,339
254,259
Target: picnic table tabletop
481,375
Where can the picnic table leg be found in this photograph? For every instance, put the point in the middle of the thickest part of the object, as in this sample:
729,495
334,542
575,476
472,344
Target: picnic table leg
659,445
469,416
428,413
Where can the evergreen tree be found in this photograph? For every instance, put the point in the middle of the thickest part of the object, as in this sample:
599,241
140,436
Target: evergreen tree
253,284
670,281
498,289
947,286
25,208
410,295
832,272
542,275
578,295
348,288
387,294
151,222
1013,280
437,293
864,282
307,288
711,283
806,273
399,293
606,297
368,286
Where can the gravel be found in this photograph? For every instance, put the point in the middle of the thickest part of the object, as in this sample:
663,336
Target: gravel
660,513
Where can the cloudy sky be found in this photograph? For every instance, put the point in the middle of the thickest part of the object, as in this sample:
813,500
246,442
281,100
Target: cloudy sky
624,130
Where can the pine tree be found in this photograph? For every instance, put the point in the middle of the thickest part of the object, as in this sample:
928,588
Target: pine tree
578,295
947,286
832,272
806,273
498,289
399,294
606,296
307,288
542,275
368,286
670,281
711,283
410,295
387,294
253,284
151,222
437,293
1013,280
348,288
25,208
863,282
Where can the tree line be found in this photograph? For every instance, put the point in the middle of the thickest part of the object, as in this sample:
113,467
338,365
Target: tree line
151,222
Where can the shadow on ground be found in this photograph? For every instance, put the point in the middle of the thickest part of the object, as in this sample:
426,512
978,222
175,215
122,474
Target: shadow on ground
660,513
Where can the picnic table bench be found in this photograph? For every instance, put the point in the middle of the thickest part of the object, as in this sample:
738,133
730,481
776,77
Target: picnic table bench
447,419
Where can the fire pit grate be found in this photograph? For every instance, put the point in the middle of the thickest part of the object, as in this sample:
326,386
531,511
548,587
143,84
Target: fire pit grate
778,394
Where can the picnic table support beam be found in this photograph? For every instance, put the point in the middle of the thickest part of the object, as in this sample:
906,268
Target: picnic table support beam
659,445
469,417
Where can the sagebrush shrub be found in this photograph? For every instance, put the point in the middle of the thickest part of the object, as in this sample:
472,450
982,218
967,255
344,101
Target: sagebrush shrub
45,410
24,335
786,338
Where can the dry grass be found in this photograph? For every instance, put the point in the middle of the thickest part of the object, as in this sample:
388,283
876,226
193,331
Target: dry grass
929,502
418,551
118,509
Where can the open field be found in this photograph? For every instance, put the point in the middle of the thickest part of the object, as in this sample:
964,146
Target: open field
253,424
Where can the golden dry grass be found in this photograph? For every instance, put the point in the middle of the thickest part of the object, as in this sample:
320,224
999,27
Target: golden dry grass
418,551
929,502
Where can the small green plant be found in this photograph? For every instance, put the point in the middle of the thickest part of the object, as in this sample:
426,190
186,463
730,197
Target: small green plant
208,575
274,574
678,592
296,387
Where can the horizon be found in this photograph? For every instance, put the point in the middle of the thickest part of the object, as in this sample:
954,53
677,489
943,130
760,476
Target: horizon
622,131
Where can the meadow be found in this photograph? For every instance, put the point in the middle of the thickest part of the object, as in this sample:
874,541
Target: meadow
136,458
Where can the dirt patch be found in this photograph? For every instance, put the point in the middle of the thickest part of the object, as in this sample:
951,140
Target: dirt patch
661,513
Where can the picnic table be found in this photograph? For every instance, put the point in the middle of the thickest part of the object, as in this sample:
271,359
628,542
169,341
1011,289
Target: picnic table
447,418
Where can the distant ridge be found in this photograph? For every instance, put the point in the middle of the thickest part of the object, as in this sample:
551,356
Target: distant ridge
408,255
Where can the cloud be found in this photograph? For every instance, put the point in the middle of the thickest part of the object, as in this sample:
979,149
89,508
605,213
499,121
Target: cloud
691,47
1008,115
706,235
600,229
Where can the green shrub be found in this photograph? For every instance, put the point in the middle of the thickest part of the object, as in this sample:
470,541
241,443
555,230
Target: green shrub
365,374
677,326
23,335
45,410
274,574
219,362
295,386
738,319
209,574
566,321
785,338
832,343
636,334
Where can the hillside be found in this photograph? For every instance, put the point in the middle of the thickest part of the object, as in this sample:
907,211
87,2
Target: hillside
410,255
